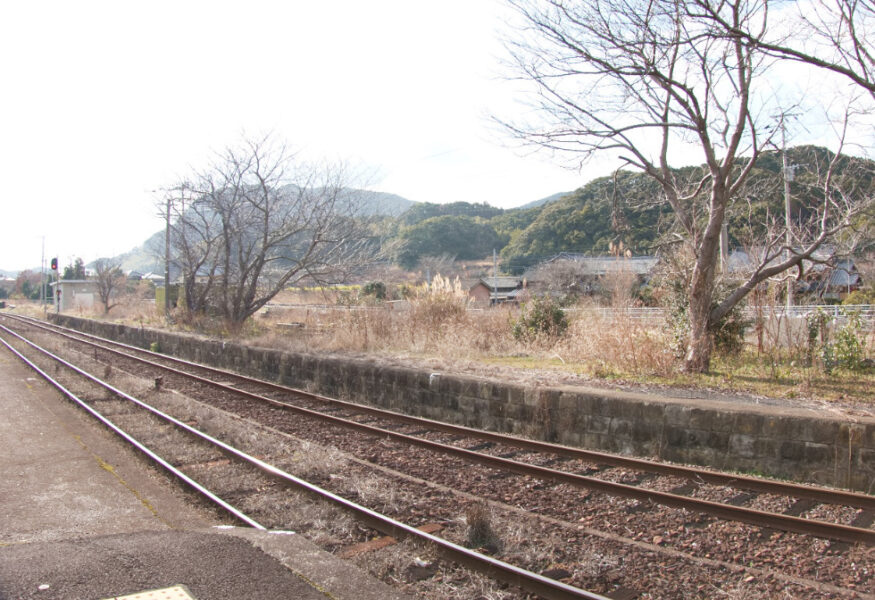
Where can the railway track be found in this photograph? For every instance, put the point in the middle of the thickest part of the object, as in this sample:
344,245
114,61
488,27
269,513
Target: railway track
212,450
504,452
641,484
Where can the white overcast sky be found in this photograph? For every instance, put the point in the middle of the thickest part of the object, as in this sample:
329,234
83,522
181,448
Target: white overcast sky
103,101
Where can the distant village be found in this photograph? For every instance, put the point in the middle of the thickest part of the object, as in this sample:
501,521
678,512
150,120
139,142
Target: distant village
565,274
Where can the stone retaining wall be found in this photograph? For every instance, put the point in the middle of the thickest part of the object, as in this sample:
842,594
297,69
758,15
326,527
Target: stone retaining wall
790,443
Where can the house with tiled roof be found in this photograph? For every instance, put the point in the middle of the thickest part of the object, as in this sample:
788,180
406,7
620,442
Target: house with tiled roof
497,290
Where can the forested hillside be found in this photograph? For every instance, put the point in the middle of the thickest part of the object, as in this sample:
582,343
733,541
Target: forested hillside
428,210
624,207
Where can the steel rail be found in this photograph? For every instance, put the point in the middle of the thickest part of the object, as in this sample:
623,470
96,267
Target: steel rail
131,439
545,587
759,518
737,481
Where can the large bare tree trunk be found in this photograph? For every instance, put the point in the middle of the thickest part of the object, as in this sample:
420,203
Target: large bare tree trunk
701,295
700,344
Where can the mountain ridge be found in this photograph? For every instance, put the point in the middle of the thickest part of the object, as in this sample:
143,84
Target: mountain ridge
622,207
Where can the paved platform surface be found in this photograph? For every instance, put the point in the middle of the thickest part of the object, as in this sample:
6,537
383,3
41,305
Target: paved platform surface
83,517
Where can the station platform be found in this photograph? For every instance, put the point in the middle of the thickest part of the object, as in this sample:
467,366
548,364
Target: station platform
83,517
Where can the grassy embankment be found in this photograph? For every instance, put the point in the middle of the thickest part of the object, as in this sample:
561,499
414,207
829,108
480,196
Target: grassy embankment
441,329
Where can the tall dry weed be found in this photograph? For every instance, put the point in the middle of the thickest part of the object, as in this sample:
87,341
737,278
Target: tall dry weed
438,305
620,286
439,321
616,343
435,319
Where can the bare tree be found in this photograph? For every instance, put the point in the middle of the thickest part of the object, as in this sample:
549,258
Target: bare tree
195,239
651,82
565,276
257,221
110,280
832,35
440,263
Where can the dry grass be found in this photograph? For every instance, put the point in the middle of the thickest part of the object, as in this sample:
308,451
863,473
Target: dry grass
316,463
375,492
397,566
480,531
438,328
595,343
433,321
597,346
616,344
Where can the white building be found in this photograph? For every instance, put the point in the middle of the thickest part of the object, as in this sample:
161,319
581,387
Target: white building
74,293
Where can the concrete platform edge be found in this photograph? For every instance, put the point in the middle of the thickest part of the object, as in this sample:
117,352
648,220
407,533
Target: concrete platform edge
336,578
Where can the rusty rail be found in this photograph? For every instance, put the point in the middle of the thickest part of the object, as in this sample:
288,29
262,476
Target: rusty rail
759,518
544,587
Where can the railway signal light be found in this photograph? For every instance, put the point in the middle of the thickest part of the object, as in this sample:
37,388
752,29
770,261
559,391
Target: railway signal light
54,264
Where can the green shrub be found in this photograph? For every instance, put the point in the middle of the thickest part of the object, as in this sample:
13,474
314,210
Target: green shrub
849,347
846,349
377,289
818,333
729,332
864,296
540,317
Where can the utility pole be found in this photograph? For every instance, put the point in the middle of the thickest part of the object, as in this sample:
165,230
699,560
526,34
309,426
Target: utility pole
494,290
42,276
788,221
167,262
57,295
